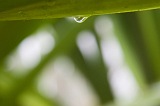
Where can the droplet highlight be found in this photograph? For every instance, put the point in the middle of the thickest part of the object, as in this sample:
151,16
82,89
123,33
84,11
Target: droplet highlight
80,19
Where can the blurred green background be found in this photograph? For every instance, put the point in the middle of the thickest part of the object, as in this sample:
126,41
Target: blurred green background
108,60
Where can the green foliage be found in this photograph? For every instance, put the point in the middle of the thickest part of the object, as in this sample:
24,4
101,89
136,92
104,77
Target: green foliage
42,9
138,35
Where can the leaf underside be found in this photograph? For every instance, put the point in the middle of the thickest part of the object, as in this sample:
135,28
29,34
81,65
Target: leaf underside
44,9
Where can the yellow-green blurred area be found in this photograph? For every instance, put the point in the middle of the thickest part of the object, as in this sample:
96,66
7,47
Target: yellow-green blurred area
108,60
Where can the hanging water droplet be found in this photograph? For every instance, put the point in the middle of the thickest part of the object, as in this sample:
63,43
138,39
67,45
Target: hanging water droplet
80,19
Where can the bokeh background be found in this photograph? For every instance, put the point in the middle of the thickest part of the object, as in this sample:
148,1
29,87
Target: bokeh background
108,60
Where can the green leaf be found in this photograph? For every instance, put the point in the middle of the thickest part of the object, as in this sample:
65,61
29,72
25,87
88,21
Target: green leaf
42,9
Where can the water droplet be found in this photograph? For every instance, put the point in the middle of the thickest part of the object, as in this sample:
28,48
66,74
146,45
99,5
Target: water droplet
80,19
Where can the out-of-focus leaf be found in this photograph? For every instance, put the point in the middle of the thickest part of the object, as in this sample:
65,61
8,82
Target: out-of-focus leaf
12,33
140,31
104,70
32,97
42,9
129,36
151,41
95,73
63,46
156,14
